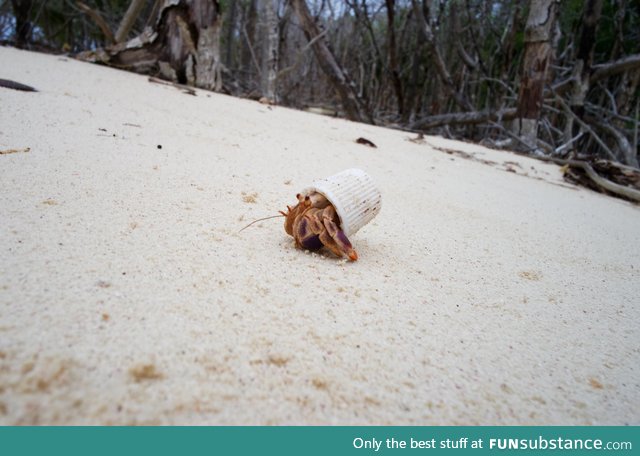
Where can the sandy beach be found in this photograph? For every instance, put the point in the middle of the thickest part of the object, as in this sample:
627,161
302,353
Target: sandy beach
487,291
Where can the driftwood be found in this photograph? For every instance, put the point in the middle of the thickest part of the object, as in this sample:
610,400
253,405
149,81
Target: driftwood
8,84
464,118
622,181
183,45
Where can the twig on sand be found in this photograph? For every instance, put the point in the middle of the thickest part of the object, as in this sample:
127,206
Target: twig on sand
188,90
8,84
14,151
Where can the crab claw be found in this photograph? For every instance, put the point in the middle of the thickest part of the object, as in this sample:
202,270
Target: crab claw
338,242
334,238
345,245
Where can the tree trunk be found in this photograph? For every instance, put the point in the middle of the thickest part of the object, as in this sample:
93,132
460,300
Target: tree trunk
424,22
537,57
270,52
393,58
583,63
184,45
230,25
248,33
412,102
22,11
354,107
205,15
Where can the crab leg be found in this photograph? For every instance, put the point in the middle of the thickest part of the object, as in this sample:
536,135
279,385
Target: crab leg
334,238
305,231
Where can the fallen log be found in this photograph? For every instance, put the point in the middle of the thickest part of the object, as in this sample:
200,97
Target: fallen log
464,118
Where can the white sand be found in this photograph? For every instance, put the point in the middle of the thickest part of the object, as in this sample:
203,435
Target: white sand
127,296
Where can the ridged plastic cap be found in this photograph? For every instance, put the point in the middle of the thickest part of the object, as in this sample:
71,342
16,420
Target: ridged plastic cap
354,196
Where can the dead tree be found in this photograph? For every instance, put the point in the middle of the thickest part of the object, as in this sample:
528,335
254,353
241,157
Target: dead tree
392,55
270,52
537,57
424,21
230,26
183,45
248,60
354,106
583,63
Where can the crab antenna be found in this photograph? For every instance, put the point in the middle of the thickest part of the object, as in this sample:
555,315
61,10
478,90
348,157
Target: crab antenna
261,219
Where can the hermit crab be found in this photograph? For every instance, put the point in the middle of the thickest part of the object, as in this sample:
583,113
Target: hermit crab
331,211
314,223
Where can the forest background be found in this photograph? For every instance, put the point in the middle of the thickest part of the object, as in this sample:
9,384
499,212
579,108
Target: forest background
558,79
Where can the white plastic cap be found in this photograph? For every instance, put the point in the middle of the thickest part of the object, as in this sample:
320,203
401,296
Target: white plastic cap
354,196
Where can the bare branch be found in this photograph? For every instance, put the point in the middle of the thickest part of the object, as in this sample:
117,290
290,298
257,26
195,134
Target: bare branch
527,146
605,183
443,73
253,54
300,54
566,145
635,129
99,21
500,82
134,10
354,104
630,62
584,125
598,110
464,118
623,143
601,71
561,87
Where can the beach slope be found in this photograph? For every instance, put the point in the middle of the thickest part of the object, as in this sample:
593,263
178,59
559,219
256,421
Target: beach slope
487,291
